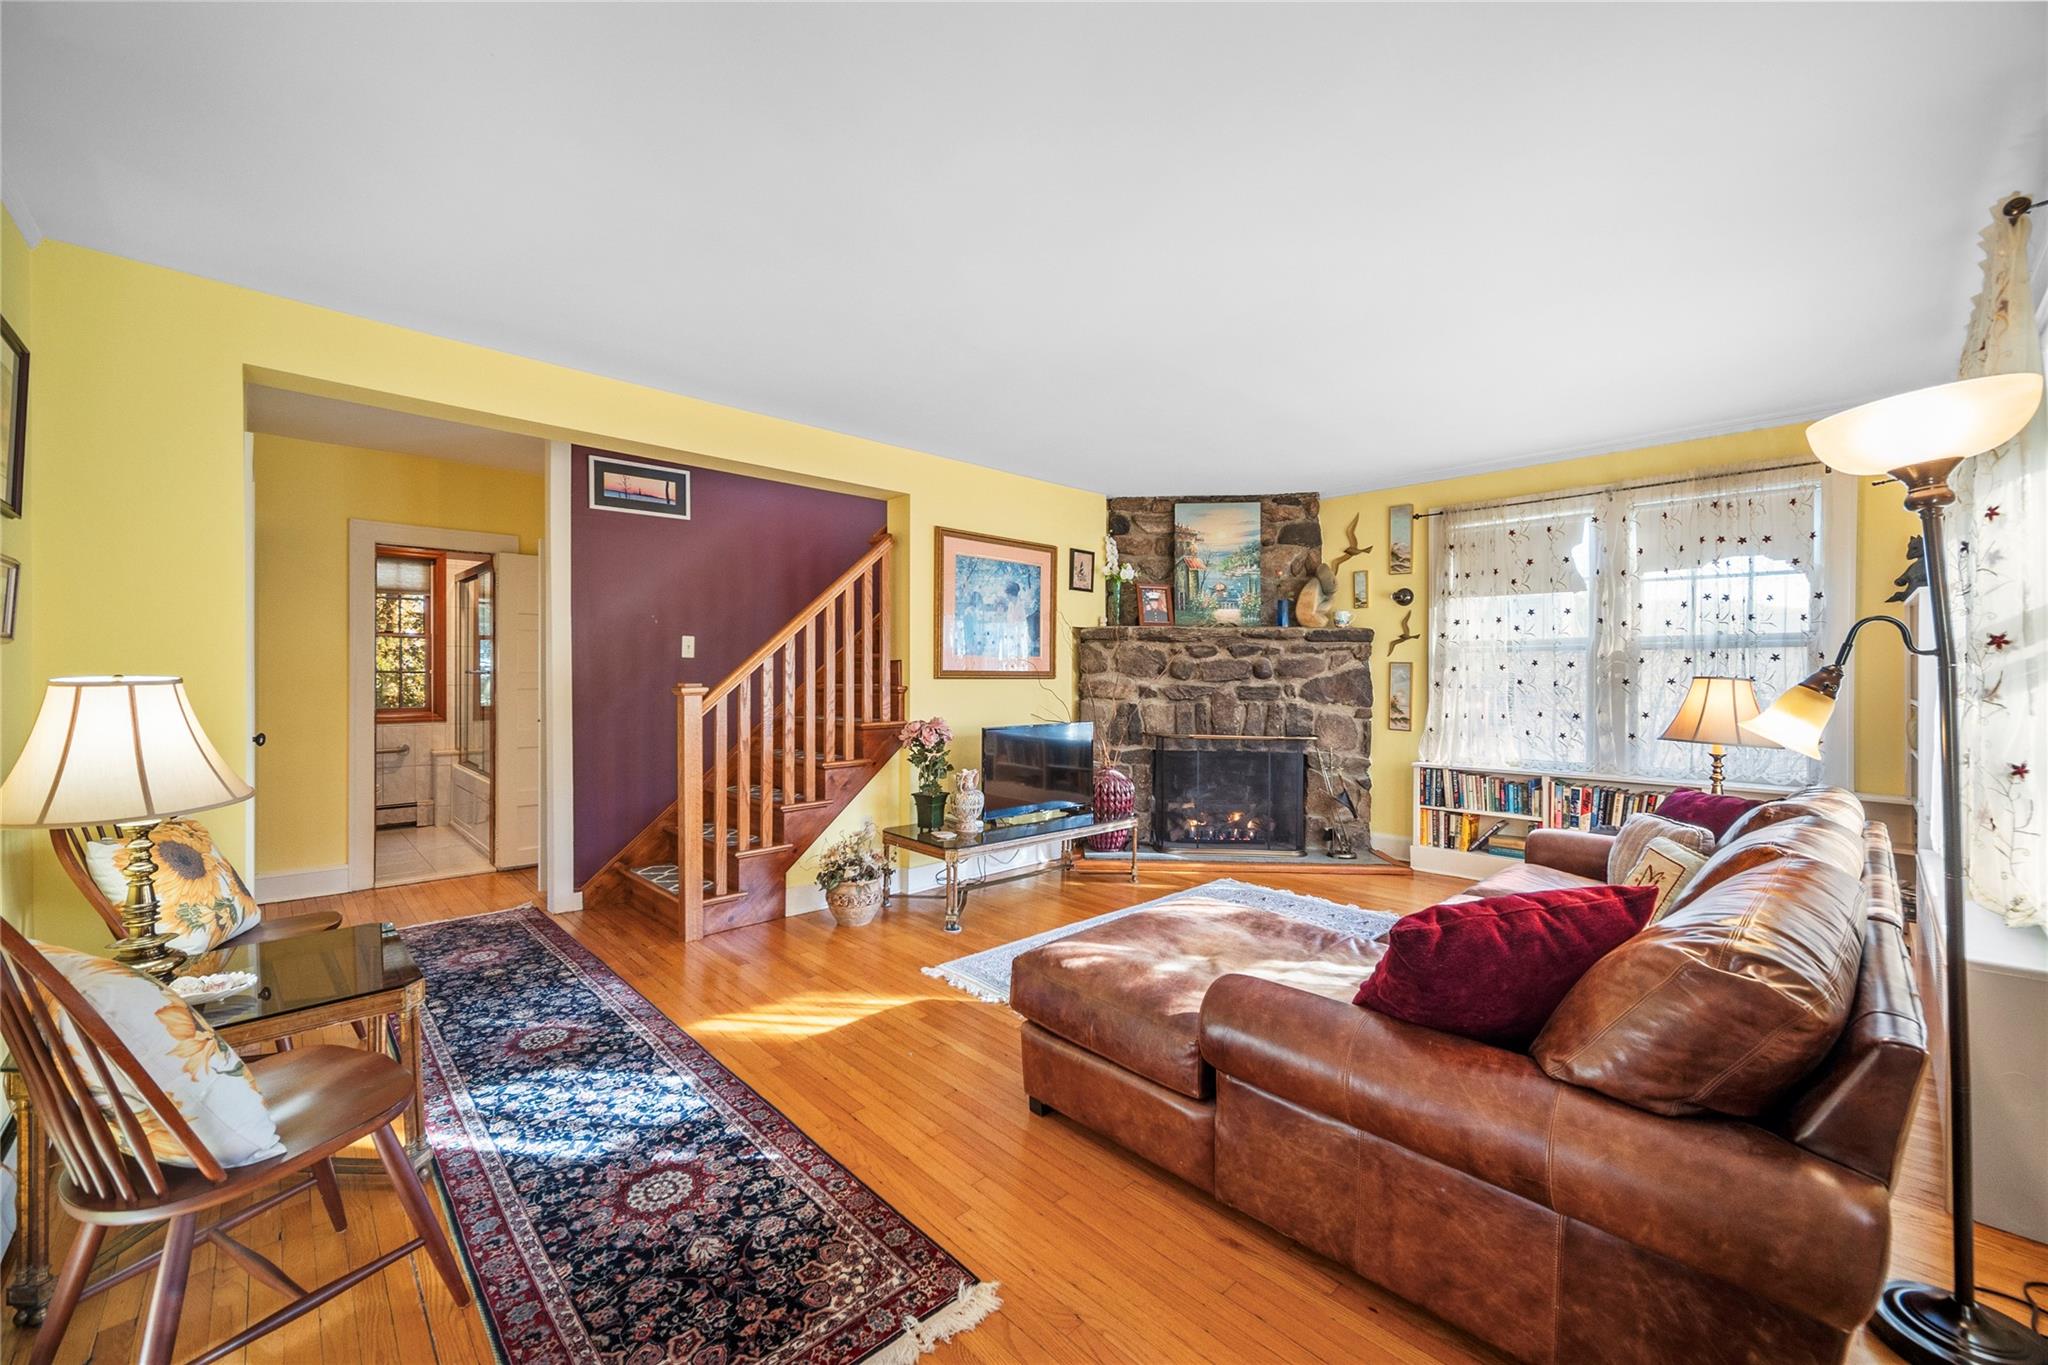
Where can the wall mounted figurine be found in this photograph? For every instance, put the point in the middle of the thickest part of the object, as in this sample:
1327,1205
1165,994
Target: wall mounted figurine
1407,632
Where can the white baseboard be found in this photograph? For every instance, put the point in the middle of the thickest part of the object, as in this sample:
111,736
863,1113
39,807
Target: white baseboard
928,876
1392,845
297,886
564,902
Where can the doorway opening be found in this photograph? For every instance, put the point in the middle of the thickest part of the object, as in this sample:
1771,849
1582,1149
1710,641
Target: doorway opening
432,663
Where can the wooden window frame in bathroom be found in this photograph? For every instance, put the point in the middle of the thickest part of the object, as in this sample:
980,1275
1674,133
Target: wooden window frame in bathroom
437,636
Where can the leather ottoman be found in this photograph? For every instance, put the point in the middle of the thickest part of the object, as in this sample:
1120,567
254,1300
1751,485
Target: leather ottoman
1113,1017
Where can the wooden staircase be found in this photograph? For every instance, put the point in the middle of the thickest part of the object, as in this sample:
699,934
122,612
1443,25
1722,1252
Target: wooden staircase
765,760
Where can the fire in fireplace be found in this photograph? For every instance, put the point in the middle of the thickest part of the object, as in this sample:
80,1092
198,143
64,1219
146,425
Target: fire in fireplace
1229,792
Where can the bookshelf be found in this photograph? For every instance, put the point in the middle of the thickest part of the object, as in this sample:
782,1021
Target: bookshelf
1457,807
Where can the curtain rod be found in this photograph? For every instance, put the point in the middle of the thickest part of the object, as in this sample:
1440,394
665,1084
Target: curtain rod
1630,487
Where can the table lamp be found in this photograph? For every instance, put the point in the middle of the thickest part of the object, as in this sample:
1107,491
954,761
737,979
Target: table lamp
1918,438
122,751
1713,713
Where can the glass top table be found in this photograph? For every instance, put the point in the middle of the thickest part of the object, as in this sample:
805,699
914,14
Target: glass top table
343,974
952,849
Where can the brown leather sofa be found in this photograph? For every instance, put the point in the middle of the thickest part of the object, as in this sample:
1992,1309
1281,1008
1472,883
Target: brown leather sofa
1692,1163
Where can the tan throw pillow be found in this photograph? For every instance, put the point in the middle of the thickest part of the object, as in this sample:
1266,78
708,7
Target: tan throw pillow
1636,833
1667,866
201,901
200,1075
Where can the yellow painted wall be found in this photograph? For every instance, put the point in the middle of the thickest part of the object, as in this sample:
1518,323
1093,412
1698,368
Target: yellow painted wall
20,686
140,507
1883,526
306,495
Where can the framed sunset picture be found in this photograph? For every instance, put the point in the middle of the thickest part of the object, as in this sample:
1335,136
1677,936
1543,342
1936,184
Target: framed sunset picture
636,486
995,608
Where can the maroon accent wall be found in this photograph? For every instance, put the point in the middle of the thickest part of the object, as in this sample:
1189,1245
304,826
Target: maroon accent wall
752,554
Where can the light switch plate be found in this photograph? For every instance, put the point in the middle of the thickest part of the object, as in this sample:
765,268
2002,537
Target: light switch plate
689,646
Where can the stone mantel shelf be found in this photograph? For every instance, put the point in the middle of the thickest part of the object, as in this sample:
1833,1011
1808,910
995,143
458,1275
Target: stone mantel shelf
1351,635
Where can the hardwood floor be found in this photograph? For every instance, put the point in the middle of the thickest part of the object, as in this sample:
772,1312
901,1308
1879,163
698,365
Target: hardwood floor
914,1086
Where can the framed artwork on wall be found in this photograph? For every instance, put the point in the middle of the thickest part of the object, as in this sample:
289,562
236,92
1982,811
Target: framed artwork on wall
13,420
1358,586
1215,563
643,489
995,607
1401,538
1155,604
1081,570
10,594
1400,695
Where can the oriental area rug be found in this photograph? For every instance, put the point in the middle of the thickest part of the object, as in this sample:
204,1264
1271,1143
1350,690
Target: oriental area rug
621,1196
986,975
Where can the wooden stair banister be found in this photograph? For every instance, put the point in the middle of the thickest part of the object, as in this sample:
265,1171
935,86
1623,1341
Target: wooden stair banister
819,680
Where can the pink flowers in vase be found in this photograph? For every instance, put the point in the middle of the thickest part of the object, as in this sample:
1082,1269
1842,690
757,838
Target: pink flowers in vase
928,742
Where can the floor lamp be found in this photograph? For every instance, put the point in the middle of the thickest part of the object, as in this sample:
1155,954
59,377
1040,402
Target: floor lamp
1918,438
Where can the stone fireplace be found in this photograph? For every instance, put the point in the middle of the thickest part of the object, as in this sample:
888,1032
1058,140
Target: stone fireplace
1303,694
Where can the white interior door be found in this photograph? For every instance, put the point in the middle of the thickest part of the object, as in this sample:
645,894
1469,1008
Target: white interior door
516,688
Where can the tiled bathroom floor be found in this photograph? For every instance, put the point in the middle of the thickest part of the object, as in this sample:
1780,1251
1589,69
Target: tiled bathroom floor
425,854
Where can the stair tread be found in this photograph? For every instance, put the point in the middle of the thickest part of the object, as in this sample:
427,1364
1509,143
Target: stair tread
663,877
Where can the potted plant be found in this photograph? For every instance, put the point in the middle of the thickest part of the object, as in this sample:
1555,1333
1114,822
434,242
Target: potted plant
850,873
927,741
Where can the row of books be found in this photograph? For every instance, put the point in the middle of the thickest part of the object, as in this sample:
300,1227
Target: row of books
1481,791
1472,833
1583,806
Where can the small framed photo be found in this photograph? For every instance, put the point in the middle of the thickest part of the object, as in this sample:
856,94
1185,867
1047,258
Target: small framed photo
1400,695
1155,604
10,594
1358,586
13,420
639,487
1081,570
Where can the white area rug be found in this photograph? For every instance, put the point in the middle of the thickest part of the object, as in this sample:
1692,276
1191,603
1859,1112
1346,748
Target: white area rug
986,975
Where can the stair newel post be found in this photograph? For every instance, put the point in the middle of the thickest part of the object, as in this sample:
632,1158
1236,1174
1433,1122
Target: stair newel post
788,656
767,749
887,642
690,808
743,729
810,675
848,746
831,697
720,744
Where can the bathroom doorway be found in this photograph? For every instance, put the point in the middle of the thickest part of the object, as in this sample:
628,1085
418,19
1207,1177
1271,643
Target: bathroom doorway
431,663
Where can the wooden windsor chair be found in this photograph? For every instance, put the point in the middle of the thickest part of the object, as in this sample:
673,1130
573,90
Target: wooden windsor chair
322,1099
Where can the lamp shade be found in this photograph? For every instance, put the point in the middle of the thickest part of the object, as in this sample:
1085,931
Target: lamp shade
115,750
1713,712
1795,720
1946,422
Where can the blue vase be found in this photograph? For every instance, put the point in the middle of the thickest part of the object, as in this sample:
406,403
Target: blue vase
1286,616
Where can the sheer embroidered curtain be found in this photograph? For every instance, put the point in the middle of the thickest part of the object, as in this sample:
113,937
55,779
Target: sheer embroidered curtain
1999,525
1567,630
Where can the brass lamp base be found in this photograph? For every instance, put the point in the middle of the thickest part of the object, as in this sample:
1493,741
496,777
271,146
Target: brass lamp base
1718,774
141,945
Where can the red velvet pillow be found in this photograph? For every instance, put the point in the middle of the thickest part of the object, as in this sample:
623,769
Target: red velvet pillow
1497,969
1704,809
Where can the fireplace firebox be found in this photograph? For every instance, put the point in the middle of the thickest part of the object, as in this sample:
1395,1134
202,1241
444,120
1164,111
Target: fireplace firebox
1218,793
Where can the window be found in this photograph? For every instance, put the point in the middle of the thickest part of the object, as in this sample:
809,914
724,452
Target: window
410,635
1567,629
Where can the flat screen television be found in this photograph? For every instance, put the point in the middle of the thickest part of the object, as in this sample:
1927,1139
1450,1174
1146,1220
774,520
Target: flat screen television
1038,767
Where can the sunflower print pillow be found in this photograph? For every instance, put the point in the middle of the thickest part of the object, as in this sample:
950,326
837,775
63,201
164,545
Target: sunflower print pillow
201,899
200,1074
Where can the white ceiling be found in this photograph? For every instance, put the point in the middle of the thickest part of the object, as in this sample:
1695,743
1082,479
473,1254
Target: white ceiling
1152,248
310,417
